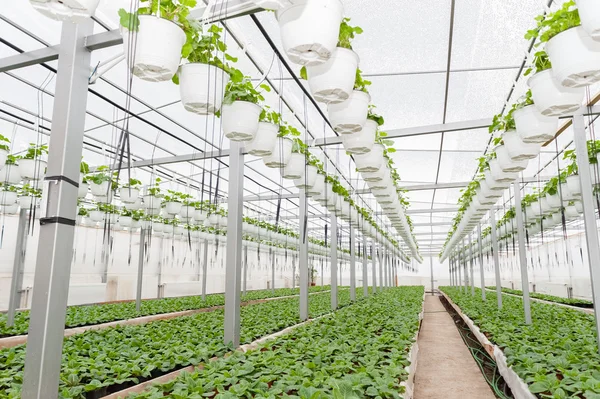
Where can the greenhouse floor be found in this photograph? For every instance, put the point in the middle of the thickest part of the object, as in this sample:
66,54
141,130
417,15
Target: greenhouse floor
445,367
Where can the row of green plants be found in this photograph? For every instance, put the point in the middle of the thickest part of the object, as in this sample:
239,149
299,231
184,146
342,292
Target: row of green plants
88,315
33,151
97,363
581,303
359,352
556,356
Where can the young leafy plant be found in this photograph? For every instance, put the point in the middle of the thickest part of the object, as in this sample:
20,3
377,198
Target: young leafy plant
550,25
155,189
240,88
347,34
35,151
4,143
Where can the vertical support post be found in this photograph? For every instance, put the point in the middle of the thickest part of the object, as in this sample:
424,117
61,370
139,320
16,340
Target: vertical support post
431,267
471,266
294,271
522,254
365,274
451,268
272,255
374,266
587,197
381,275
458,268
57,230
16,283
204,268
465,270
140,275
481,270
334,262
496,259
245,285
233,264
352,265
303,261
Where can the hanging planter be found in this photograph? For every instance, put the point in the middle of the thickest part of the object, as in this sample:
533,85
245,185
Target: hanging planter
571,212
97,216
7,196
350,116
240,120
361,142
100,190
32,169
308,180
574,185
506,164
172,207
318,187
129,195
517,149
310,29
533,127
589,12
156,51
201,87
557,218
333,81
187,211
125,221
295,167
133,206
213,220
264,142
152,202
27,201
199,215
378,185
66,10
371,161
10,174
282,152
566,194
499,175
575,58
545,207
553,201
551,98
3,155
493,184
383,174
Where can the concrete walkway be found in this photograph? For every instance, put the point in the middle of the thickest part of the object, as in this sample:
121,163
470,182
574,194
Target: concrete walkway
445,367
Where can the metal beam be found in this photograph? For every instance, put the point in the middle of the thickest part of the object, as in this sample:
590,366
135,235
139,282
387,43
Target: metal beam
428,211
432,224
171,160
273,197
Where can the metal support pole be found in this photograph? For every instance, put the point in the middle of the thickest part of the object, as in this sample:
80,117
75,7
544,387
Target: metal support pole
471,266
294,271
245,285
334,262
481,270
587,197
204,268
458,268
365,274
465,270
16,283
496,259
140,275
522,254
352,265
55,248
451,268
272,254
303,261
431,267
374,267
233,263
381,276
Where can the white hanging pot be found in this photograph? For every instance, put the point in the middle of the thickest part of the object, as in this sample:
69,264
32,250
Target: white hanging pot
318,188
202,87
374,185
125,221
571,212
553,201
381,174
310,29
240,120
157,227
157,48
129,195
199,215
506,164
27,201
350,116
546,208
179,230
575,58
589,13
10,174
282,152
295,167
574,185
333,81
32,169
536,211
213,220
517,150
3,157
308,180
83,190
481,197
557,218
172,208
552,98
8,198
533,127
263,143
567,196
66,10
361,142
152,202
187,211
371,161
133,206
97,216
104,199
499,175
493,184
100,190
579,206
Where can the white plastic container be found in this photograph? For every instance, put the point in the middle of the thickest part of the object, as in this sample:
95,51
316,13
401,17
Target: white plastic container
32,169
199,215
202,87
282,152
264,142
157,45
318,187
506,164
310,29
3,157
589,13
557,218
152,202
494,184
83,190
517,150
97,216
553,201
575,58
125,221
172,208
133,206
350,116
240,120
499,175
371,161
308,180
333,81
100,190
10,174
574,185
129,195
295,167
361,142
187,211
27,201
571,212
7,198
66,10
552,98
533,127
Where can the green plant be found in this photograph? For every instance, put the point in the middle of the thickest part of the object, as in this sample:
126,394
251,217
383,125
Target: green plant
361,84
30,191
552,24
35,151
133,183
176,196
541,62
347,34
240,88
9,187
155,189
286,130
80,212
4,143
269,116
11,160
103,174
374,117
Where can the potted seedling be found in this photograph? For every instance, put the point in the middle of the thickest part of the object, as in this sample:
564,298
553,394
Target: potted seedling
573,182
574,54
99,213
8,194
372,160
517,150
550,97
332,82
589,13
10,173
312,169
532,126
82,213
188,208
241,109
310,29
263,143
126,218
84,170
173,202
4,150
295,167
362,141
318,187
203,80
102,183
130,192
282,151
349,117
138,218
31,165
72,10
29,196
153,197
156,36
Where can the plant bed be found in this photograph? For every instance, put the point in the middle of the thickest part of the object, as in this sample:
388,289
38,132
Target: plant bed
580,303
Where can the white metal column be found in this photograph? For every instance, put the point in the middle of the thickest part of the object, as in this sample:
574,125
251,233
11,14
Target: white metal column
16,282
352,265
374,266
522,254
365,273
334,262
303,260
481,270
471,266
495,255
140,275
204,268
